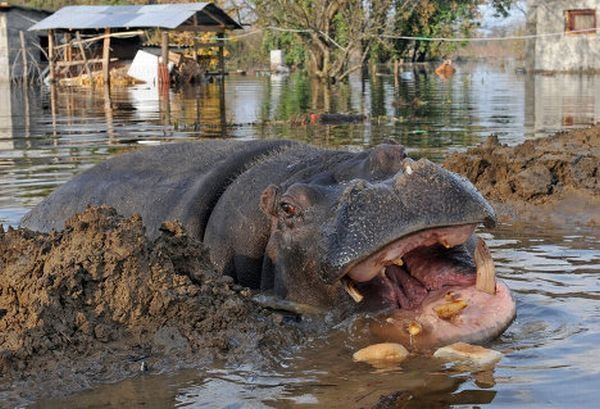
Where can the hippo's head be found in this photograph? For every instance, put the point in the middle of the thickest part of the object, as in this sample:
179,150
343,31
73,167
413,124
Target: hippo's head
386,233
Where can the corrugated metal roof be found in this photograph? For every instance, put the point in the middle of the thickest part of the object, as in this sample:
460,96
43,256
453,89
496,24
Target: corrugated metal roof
167,16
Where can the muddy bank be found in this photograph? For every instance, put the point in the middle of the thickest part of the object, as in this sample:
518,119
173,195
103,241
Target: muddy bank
556,178
98,301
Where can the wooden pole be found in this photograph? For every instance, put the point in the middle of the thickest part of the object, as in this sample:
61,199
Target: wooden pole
106,57
24,56
68,51
164,47
84,57
221,56
163,68
195,38
51,55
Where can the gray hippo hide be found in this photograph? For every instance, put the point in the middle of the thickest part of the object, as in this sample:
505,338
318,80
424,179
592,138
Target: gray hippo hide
312,225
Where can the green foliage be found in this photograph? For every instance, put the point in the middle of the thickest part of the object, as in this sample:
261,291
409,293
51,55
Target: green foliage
295,54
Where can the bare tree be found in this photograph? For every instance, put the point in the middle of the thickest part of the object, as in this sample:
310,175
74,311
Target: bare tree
337,35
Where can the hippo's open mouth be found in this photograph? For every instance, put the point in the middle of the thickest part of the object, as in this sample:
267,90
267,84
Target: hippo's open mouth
434,287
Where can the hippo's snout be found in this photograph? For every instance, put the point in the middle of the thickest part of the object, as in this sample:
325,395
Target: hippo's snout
420,196
406,243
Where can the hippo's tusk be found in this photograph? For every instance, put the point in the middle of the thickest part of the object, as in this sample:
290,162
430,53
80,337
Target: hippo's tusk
486,272
398,261
352,291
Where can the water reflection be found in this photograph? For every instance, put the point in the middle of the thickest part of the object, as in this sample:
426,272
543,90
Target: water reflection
562,101
49,134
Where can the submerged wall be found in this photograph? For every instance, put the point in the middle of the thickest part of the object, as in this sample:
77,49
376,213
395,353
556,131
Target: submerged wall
567,52
4,60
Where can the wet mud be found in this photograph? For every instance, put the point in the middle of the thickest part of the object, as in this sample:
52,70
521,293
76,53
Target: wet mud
99,302
555,179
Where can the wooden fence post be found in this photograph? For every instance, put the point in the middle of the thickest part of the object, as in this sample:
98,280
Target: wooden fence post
220,40
106,57
84,57
51,55
24,56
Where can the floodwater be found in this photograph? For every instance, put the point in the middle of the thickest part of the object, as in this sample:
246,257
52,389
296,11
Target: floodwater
551,350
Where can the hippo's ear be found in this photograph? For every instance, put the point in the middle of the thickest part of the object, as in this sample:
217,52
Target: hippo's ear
268,200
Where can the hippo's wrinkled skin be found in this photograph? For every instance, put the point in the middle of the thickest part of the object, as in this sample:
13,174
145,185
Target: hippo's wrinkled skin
294,218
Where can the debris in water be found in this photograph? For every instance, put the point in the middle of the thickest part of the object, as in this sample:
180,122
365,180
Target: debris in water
473,357
381,355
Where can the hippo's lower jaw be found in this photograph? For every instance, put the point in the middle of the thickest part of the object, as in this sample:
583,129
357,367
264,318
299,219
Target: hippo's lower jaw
428,280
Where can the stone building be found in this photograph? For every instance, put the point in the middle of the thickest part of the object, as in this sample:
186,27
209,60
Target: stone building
567,36
13,20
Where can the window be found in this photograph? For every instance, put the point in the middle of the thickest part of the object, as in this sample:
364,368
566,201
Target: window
580,21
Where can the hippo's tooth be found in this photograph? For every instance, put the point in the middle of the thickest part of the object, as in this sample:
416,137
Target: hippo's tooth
445,244
352,291
486,272
414,328
398,261
450,309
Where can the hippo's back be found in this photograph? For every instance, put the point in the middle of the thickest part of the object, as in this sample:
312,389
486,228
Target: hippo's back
175,181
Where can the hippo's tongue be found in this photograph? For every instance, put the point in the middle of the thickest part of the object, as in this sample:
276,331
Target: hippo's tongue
422,270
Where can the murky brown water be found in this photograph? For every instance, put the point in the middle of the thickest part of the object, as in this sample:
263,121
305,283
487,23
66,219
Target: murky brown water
551,350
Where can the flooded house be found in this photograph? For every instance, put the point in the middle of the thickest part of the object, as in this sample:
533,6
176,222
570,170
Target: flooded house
16,41
566,36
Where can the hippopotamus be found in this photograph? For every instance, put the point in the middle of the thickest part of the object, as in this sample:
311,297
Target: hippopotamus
355,230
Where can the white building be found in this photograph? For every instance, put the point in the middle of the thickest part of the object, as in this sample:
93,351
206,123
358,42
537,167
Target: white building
568,39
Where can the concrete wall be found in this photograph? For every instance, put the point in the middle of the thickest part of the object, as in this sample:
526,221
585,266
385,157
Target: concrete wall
12,21
4,60
566,53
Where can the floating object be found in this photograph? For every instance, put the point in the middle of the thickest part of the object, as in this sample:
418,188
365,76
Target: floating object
381,355
445,70
473,357
144,67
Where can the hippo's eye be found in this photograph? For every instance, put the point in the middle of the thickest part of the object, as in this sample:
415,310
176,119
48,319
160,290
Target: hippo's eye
289,209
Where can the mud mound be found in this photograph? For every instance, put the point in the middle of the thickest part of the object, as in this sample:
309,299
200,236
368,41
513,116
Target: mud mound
91,303
560,168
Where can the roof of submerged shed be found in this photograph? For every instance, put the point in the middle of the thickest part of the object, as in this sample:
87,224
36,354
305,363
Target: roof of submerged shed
168,16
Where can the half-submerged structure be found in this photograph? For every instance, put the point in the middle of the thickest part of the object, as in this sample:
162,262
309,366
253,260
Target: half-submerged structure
20,52
73,29
566,36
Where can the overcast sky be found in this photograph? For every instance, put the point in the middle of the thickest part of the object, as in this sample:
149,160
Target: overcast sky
516,16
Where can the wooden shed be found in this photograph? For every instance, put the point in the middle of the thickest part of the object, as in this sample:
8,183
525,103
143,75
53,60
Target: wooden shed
73,26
